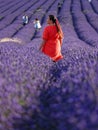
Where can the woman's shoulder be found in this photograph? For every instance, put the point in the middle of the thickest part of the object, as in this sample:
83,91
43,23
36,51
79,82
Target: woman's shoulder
46,27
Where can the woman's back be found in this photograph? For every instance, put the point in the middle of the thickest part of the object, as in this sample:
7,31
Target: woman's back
52,39
50,33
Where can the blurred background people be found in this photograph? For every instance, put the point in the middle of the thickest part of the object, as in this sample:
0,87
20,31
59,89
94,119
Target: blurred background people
59,7
25,19
37,24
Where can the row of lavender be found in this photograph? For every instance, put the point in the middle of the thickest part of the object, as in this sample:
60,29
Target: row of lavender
83,29
10,17
15,23
36,94
16,28
94,4
91,16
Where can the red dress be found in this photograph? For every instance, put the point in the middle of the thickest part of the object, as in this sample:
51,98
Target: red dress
52,47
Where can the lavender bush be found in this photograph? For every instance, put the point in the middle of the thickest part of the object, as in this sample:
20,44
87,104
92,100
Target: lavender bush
36,93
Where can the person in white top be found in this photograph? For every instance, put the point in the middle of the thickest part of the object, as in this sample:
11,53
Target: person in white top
25,19
37,24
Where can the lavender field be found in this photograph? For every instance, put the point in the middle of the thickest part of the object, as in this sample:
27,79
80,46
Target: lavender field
36,93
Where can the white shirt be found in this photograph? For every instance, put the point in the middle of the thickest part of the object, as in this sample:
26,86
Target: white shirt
37,24
25,19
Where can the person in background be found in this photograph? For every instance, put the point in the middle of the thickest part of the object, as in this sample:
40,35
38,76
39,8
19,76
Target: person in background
25,19
37,24
58,8
52,39
89,0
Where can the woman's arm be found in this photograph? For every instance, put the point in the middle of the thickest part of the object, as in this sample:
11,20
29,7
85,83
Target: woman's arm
61,40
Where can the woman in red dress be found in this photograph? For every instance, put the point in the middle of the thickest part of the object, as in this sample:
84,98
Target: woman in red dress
52,39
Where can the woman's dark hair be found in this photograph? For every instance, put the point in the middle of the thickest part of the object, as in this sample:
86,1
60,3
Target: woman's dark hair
54,20
52,17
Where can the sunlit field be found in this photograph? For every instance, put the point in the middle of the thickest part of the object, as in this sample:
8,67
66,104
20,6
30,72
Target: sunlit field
36,93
